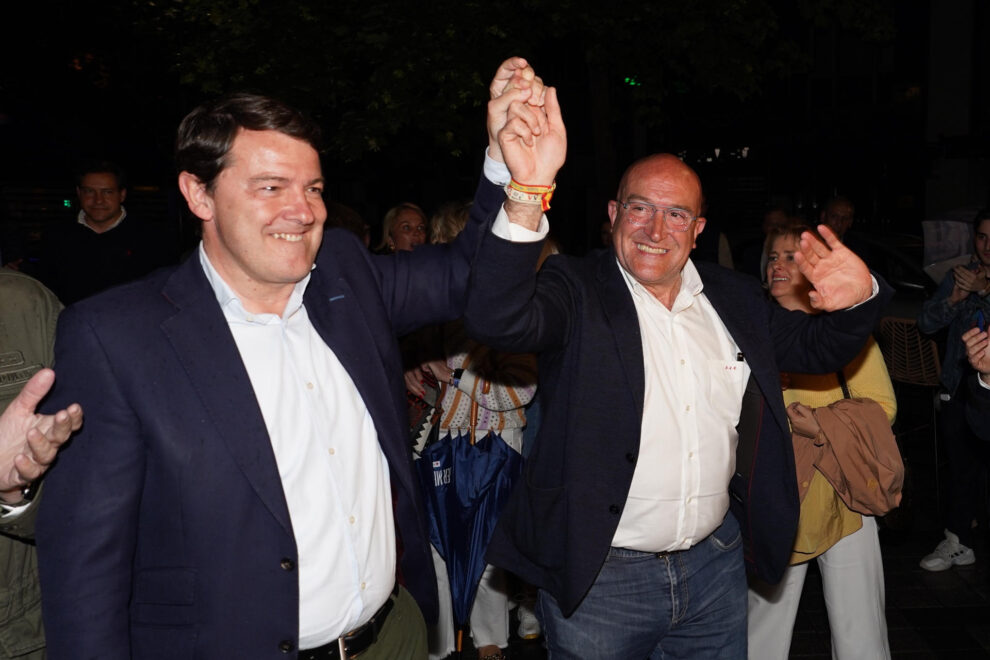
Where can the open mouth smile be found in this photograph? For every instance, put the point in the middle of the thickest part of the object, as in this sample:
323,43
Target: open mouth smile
651,250
292,238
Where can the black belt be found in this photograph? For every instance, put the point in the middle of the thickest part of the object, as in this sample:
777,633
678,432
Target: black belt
358,640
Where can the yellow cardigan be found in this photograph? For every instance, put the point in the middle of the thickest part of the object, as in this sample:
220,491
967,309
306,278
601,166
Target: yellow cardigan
824,518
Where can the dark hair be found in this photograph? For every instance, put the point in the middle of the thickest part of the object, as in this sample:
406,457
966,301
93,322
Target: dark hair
207,133
981,215
101,166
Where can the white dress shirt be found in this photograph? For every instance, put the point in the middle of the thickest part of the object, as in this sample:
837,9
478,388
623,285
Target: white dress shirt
687,450
334,475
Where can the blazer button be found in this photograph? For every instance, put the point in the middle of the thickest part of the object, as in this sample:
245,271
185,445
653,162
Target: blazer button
613,509
286,646
631,457
287,564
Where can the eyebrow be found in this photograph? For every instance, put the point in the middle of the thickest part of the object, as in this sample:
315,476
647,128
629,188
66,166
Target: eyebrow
634,196
265,178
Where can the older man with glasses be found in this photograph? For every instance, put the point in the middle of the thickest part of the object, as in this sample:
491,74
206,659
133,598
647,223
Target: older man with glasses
664,458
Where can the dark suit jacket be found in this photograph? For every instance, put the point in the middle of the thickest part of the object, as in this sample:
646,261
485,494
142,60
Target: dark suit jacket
978,409
579,315
164,531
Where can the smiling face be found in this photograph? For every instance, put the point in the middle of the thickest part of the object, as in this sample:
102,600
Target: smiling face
786,283
652,253
263,218
409,231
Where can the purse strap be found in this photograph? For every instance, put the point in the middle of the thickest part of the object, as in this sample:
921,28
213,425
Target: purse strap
842,383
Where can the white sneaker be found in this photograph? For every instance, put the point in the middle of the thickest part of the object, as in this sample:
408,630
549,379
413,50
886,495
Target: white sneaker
529,625
948,553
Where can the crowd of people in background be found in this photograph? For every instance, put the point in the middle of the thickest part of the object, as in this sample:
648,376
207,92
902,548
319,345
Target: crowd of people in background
246,479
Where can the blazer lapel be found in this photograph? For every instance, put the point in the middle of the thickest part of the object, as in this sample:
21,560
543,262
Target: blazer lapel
621,314
337,313
735,311
202,340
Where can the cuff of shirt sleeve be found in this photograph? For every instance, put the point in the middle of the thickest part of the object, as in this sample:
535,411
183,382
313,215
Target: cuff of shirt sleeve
982,380
13,511
496,172
516,233
873,294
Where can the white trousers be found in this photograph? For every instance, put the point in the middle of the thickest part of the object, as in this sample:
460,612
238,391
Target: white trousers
852,582
489,614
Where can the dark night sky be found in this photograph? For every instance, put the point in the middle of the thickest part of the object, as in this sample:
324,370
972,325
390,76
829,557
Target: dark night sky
863,118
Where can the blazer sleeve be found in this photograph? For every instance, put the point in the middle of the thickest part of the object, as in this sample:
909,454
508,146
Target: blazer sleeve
514,308
820,343
87,524
429,285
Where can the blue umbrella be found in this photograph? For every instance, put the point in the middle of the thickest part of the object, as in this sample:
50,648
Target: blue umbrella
466,485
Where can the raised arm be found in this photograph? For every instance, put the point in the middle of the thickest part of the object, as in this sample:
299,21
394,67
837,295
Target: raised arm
840,278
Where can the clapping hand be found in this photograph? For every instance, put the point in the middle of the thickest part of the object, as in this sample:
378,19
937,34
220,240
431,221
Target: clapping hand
976,350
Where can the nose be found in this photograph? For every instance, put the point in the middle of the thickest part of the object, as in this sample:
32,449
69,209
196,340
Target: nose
656,229
304,208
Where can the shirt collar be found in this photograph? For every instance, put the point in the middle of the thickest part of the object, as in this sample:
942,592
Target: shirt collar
81,219
231,305
691,284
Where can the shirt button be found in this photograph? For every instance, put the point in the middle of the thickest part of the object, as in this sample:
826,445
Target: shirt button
363,585
690,454
351,520
287,564
285,646
332,451
309,386
682,362
687,408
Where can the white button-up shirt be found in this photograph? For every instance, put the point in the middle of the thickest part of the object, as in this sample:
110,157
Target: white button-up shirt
687,451
334,475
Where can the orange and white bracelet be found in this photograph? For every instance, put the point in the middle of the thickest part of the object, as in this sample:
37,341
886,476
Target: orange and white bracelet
520,192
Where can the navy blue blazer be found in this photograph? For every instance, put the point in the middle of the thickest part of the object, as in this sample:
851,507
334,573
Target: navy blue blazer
978,408
578,314
164,530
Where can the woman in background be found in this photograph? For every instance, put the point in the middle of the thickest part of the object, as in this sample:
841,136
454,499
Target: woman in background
844,542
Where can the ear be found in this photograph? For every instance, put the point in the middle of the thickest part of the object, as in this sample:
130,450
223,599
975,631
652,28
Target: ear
613,211
699,226
123,195
197,197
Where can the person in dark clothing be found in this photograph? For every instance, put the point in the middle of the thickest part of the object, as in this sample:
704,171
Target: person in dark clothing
104,246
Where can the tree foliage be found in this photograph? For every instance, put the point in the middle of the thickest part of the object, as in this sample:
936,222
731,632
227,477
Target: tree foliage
374,69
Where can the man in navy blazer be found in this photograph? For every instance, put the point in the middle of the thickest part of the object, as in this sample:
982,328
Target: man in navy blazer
664,448
243,485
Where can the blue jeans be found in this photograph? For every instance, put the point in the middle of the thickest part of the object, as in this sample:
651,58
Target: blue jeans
687,604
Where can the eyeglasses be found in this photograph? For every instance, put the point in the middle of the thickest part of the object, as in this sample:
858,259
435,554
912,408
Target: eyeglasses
640,213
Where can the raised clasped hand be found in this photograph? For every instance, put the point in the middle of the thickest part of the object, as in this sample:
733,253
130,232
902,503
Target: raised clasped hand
840,278
515,81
